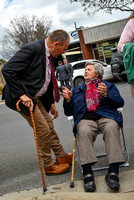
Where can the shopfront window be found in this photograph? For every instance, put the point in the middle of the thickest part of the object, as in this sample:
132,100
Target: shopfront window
104,52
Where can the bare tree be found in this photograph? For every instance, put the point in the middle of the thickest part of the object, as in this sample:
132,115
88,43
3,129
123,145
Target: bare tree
22,30
94,6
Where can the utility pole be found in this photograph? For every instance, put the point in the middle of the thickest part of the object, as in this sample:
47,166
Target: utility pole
75,25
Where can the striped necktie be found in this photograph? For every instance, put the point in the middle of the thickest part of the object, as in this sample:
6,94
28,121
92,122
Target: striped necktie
55,85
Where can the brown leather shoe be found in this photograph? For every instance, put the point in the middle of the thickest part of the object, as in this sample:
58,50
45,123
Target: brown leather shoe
56,169
67,159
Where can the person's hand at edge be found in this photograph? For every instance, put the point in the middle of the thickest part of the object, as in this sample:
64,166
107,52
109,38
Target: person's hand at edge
54,111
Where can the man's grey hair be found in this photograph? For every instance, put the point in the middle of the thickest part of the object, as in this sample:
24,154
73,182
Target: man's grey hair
59,35
98,68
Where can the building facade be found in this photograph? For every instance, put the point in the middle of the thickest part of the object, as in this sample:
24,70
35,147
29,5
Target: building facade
95,42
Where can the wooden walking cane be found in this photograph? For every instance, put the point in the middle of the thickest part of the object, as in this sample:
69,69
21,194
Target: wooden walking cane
36,142
72,176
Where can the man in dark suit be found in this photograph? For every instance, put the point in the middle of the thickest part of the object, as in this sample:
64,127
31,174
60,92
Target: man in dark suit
70,72
62,75
28,76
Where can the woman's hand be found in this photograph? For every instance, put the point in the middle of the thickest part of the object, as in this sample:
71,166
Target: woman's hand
102,89
67,94
27,101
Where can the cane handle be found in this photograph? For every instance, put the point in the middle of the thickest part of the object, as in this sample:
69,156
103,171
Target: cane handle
17,105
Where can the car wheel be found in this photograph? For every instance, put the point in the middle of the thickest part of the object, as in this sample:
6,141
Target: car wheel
118,78
124,78
78,81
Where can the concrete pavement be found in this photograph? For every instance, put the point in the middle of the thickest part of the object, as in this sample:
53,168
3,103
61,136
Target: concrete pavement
64,192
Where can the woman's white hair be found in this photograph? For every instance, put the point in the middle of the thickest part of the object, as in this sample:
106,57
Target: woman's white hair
98,68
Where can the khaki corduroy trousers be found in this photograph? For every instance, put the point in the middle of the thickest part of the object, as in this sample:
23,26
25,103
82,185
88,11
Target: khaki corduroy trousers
46,135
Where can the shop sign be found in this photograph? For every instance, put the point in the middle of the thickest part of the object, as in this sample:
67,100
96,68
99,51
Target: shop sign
74,36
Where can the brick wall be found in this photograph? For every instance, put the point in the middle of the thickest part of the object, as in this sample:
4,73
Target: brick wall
86,48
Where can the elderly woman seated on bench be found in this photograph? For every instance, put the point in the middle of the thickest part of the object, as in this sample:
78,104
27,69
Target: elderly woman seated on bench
94,105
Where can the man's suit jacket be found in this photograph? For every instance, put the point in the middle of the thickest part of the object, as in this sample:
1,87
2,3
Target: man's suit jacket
70,70
62,72
25,73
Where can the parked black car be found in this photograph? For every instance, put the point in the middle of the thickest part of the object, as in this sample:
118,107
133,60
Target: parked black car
117,65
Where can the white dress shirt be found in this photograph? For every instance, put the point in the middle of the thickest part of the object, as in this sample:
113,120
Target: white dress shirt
48,74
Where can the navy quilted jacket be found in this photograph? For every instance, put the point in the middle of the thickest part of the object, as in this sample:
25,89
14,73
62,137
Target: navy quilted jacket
107,108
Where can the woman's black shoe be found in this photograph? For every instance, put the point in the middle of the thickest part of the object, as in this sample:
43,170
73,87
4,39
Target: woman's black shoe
89,184
112,181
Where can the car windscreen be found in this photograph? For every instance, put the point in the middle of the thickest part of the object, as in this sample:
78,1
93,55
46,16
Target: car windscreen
79,65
